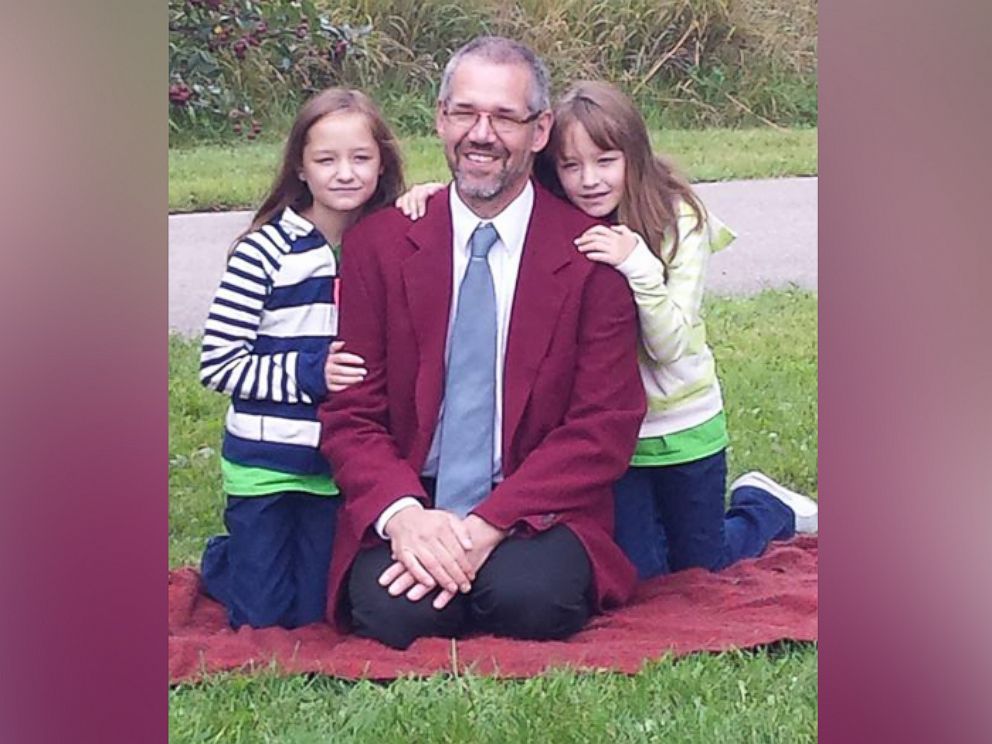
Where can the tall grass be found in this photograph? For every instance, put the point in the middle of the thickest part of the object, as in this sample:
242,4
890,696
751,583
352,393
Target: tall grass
688,63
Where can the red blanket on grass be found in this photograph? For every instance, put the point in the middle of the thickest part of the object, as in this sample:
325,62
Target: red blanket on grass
752,603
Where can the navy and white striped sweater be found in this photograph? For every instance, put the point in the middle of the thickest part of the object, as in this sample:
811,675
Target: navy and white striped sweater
265,344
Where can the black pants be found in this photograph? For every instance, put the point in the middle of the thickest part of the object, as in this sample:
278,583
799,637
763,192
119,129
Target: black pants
535,587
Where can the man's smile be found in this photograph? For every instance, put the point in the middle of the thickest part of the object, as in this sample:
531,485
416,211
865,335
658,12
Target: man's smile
483,155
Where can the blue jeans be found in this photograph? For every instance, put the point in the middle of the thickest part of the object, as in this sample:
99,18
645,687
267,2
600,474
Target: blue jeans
672,517
271,567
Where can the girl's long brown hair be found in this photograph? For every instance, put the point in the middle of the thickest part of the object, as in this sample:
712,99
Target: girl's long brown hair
652,187
289,191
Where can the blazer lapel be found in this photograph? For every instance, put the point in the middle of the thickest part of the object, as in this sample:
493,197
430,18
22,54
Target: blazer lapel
427,282
536,303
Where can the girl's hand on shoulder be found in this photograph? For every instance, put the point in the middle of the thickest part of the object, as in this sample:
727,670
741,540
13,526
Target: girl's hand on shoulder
342,369
414,202
609,245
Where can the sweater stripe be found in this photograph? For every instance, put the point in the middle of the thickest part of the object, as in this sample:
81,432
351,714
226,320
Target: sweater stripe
304,320
286,458
306,292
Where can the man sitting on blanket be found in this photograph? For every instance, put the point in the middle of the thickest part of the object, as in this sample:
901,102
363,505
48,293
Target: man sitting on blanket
502,398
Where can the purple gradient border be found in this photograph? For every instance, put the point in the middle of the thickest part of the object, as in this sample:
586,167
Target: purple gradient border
904,388
83,435
905,367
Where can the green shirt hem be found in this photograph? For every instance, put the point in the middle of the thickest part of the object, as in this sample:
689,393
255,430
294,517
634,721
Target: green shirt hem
689,445
243,481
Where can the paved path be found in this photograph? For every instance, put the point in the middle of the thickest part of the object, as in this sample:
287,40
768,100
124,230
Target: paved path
775,220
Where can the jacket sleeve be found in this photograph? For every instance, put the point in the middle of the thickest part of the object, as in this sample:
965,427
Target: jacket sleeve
355,422
669,310
228,363
573,468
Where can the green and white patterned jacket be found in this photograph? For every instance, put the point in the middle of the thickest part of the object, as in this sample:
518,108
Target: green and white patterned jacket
676,364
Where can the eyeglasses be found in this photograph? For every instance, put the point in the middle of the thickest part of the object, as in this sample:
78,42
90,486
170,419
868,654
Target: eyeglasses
501,123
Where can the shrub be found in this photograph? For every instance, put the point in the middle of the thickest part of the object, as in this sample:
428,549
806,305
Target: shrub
236,63
688,63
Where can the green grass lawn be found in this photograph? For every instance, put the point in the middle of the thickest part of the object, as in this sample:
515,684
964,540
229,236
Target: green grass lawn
766,350
761,696
215,177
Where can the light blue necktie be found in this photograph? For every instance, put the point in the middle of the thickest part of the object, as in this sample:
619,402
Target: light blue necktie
465,454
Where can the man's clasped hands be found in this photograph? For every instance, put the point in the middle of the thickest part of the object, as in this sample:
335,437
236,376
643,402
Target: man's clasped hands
435,548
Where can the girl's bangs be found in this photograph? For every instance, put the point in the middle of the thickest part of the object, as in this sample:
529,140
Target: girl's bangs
603,130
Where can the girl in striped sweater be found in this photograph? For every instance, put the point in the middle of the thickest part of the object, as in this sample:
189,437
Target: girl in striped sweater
669,507
269,344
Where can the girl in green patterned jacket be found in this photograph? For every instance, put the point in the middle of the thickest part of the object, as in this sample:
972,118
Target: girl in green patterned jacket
670,511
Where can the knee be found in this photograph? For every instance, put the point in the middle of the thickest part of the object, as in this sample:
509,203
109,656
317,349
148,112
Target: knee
263,616
397,621
535,610
263,596
257,596
263,607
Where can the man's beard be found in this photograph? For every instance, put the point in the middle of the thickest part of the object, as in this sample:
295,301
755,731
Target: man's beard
488,189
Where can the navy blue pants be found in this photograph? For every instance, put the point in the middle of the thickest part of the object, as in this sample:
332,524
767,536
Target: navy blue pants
673,517
271,567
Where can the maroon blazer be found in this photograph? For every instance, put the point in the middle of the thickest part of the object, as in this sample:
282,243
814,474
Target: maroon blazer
572,396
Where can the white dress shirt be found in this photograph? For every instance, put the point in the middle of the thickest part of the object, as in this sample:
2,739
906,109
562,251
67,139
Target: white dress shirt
504,263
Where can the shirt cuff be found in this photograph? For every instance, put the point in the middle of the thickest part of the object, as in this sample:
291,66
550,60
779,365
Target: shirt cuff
642,266
310,373
387,513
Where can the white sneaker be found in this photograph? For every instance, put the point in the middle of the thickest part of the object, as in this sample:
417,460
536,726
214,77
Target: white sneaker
805,509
